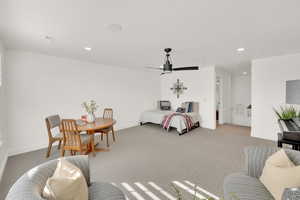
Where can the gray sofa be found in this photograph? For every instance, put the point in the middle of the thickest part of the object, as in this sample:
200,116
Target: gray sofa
30,185
245,185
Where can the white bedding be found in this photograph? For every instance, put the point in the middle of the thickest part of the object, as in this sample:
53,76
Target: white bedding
156,117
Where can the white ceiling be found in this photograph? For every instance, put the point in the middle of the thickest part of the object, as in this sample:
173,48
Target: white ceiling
201,31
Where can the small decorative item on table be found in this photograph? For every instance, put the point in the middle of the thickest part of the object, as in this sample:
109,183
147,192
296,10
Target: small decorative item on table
90,108
84,118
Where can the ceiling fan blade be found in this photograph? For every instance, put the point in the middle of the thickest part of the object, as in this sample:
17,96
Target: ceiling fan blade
155,68
166,72
186,68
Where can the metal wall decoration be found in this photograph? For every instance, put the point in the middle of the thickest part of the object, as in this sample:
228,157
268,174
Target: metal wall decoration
178,88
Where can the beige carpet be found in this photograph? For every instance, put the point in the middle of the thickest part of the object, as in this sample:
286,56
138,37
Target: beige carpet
147,153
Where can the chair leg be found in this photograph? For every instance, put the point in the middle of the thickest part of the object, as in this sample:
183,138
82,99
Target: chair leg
62,152
107,143
113,134
59,144
73,152
49,149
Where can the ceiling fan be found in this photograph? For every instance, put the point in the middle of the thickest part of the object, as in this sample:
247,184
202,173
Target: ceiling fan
168,67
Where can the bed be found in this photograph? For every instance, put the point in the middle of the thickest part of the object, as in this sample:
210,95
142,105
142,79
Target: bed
156,116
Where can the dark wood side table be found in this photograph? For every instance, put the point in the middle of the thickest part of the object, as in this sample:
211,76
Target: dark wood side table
295,144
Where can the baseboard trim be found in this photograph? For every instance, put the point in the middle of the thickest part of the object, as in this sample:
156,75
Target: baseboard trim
13,152
3,164
264,138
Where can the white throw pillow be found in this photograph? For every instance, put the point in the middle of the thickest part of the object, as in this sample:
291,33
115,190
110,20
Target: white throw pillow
67,183
185,105
279,173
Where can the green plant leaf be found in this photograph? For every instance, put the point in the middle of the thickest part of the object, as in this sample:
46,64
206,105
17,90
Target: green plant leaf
287,113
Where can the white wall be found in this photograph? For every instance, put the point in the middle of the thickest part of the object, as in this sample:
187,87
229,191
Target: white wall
3,111
225,96
201,88
241,98
268,90
41,85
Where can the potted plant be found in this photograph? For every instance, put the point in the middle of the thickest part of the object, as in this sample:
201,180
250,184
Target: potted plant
287,113
90,108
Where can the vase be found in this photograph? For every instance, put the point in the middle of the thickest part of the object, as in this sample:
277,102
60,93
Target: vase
90,118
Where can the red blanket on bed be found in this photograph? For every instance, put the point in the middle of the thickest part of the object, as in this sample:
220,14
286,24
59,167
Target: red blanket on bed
186,118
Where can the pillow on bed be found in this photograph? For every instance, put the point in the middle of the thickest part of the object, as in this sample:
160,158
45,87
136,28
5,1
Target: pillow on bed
185,105
188,106
165,105
180,110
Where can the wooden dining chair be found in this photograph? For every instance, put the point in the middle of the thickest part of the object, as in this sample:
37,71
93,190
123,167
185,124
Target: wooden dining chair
108,114
73,141
54,134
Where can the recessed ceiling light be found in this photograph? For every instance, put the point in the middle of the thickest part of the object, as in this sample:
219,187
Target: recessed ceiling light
114,27
88,48
245,73
48,38
240,49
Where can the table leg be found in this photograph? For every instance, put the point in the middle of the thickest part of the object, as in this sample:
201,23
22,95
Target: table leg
92,143
92,147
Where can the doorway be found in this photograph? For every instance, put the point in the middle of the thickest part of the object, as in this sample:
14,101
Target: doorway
218,99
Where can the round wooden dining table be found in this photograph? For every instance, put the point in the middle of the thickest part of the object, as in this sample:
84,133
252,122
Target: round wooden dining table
92,128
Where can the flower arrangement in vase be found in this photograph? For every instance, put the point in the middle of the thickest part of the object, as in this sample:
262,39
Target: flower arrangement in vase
90,108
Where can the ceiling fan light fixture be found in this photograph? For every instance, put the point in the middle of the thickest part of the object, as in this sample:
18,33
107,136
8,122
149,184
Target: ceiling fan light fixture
48,39
168,66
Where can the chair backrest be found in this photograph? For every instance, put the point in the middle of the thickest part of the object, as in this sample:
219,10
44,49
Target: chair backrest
71,134
52,122
108,113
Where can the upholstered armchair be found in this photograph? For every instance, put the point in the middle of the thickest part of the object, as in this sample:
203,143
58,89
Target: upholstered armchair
245,185
31,184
